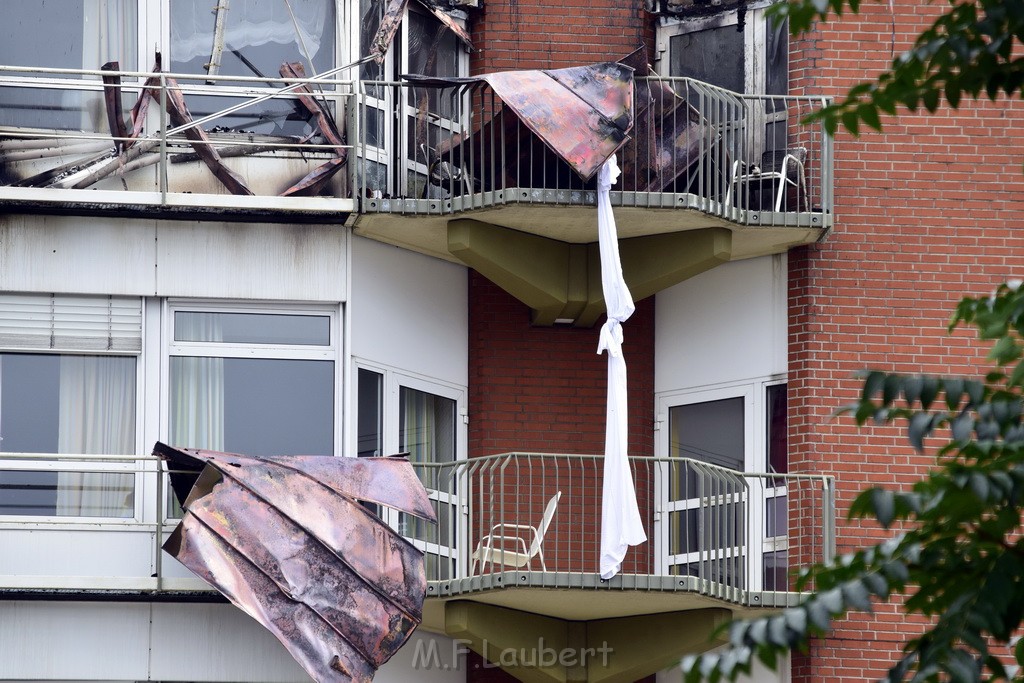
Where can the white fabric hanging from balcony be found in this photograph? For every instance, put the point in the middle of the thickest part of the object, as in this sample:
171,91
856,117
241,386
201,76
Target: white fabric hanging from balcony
620,519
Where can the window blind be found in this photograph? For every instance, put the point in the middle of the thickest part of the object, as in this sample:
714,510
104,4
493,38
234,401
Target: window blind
71,323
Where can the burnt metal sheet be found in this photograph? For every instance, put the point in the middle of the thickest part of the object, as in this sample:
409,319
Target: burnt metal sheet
583,114
573,120
287,540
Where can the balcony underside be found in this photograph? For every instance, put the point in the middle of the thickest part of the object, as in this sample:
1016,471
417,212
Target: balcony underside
421,224
574,597
543,251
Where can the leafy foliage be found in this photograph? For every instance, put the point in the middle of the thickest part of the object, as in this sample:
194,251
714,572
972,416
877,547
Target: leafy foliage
973,49
959,556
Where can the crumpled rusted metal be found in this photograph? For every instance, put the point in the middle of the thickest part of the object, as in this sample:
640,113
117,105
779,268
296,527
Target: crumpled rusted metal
287,540
582,113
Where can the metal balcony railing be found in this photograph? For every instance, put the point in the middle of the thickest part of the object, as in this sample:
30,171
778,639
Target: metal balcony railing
534,519
321,145
745,158
76,522
163,139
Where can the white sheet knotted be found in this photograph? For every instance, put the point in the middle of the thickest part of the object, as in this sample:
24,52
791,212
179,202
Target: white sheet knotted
620,519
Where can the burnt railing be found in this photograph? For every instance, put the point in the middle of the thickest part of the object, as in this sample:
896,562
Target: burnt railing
163,139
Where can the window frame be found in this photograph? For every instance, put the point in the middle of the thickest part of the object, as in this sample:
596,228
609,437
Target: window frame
393,381
108,466
756,425
755,75
172,348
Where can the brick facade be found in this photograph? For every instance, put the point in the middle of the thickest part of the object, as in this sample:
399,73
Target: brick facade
927,212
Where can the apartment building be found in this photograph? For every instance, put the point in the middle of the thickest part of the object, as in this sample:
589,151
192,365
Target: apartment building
222,227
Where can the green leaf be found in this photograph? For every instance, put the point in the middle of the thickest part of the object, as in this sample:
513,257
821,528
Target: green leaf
929,390
856,595
796,620
883,506
920,426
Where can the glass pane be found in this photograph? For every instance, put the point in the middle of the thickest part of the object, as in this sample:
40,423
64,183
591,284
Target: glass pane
778,459
79,34
776,517
67,494
711,432
442,533
776,571
709,527
728,571
776,60
433,51
258,36
369,413
714,55
52,403
426,426
255,406
252,328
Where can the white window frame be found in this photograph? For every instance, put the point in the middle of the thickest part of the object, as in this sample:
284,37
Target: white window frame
395,114
755,40
170,347
393,381
755,449
66,521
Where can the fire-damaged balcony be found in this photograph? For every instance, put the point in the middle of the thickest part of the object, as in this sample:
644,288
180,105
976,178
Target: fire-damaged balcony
113,141
514,553
496,172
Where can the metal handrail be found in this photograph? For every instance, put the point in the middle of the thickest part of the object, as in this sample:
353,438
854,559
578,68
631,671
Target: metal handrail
736,515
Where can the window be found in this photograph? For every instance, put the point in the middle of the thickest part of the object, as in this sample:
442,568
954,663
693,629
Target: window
254,382
714,522
422,46
68,386
71,34
408,415
752,59
252,38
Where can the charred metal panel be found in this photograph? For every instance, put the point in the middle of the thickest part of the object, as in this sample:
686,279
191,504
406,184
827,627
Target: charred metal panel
287,541
582,115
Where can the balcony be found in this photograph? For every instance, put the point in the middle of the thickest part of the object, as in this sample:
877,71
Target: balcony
720,543
714,535
445,169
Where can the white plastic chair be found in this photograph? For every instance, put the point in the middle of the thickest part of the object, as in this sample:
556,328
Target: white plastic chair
492,548
779,169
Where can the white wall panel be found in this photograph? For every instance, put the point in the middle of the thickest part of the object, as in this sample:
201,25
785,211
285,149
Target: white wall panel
74,254
725,325
74,641
409,311
105,641
111,552
147,257
251,261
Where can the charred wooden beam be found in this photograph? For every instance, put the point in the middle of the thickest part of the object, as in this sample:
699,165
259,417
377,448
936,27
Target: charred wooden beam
112,99
174,102
324,119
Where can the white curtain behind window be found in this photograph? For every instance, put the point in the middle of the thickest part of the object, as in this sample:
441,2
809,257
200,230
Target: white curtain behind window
97,417
197,388
249,23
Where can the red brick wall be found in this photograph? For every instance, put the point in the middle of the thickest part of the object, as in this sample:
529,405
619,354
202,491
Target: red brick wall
534,34
543,388
927,212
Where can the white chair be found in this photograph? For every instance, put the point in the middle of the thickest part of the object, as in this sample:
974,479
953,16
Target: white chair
779,170
494,547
